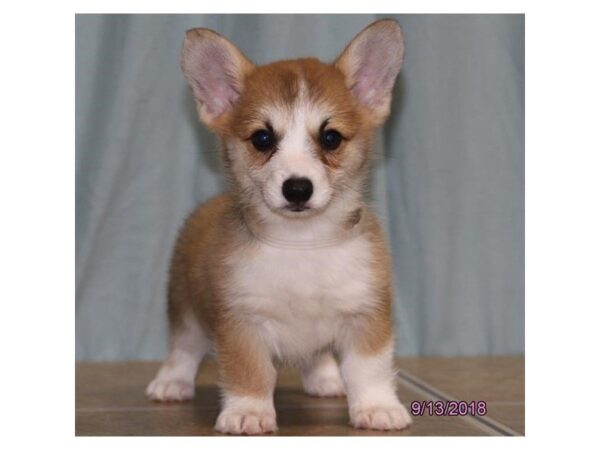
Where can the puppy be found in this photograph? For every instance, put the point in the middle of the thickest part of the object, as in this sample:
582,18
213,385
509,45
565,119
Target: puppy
289,266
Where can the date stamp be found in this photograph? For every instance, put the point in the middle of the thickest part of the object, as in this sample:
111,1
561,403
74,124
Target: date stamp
448,408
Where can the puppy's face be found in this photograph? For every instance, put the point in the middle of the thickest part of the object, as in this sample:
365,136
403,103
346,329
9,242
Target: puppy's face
297,134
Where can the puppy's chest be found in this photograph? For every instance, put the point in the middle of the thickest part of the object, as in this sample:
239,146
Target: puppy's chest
288,284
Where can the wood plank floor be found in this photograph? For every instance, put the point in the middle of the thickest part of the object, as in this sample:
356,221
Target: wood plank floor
110,401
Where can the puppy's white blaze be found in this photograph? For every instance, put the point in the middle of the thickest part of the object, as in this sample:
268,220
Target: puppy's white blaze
295,157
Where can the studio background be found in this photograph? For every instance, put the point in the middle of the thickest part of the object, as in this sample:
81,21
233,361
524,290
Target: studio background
448,184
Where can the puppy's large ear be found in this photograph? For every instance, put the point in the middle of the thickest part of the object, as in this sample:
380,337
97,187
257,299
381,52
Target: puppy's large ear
371,63
215,69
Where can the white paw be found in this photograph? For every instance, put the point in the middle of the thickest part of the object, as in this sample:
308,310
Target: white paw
235,421
170,390
325,386
380,417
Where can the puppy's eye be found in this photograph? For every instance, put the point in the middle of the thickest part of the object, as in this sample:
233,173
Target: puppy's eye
263,140
330,139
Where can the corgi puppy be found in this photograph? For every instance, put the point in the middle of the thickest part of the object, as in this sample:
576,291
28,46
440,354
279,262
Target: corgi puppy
289,266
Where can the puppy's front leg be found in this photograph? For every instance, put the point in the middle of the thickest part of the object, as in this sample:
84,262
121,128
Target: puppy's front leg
248,377
370,388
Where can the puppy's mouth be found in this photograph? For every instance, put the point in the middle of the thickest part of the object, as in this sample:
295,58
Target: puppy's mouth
297,207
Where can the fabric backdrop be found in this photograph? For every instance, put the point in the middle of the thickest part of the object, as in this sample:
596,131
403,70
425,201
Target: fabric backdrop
448,183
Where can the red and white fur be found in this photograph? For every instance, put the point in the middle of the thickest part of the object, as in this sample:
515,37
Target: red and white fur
262,281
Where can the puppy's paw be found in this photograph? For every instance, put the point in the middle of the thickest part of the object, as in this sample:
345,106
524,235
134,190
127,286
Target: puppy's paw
170,390
380,417
325,386
236,421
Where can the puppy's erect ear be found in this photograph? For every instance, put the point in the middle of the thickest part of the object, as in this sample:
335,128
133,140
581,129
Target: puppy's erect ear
371,63
215,69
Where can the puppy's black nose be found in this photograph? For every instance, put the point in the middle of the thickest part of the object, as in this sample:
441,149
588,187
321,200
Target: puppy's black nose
297,190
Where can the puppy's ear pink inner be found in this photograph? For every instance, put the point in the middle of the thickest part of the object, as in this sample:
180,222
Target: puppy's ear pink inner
215,70
376,72
214,82
371,63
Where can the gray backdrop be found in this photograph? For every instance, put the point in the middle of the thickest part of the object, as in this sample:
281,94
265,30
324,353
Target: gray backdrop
448,185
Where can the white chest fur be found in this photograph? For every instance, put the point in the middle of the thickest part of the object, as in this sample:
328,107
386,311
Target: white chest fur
299,299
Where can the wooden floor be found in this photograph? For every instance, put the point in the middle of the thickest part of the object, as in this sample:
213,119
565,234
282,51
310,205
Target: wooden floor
110,401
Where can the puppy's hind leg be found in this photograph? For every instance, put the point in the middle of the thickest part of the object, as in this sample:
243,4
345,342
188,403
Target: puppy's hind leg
176,379
321,377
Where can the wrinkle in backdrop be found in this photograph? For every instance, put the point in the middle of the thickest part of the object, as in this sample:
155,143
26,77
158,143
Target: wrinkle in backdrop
448,182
